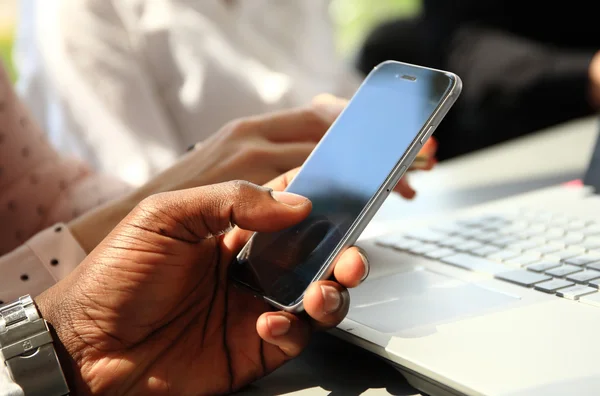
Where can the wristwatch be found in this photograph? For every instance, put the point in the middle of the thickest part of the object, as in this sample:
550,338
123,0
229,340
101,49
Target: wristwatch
28,351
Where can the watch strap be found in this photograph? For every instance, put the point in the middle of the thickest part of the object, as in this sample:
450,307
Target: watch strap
28,350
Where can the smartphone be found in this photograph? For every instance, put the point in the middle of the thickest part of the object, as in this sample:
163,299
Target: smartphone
347,177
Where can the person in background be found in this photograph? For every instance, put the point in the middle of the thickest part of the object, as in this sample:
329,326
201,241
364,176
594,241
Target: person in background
522,68
129,85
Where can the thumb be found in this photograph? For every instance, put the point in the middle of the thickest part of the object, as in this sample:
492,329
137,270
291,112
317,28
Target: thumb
212,210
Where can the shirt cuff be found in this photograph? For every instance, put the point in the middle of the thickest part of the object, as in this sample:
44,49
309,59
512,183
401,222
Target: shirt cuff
39,263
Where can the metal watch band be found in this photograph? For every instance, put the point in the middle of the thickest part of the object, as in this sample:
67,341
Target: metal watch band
29,354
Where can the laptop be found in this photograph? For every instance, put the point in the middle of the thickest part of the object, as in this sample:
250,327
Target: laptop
502,299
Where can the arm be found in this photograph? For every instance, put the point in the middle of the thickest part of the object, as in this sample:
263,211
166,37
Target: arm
102,91
38,187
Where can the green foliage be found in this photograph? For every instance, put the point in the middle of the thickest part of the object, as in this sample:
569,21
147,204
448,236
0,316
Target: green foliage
6,55
355,18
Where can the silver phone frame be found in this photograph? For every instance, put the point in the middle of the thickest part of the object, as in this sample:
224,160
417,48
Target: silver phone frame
371,208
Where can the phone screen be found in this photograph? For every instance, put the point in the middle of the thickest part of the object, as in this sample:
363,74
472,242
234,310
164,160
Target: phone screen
341,177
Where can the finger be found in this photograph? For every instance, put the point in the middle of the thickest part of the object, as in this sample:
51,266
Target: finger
423,164
327,303
352,267
238,237
284,330
282,182
329,106
211,210
430,147
291,155
304,124
404,189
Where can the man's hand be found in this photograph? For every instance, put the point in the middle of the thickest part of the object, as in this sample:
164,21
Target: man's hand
594,76
151,310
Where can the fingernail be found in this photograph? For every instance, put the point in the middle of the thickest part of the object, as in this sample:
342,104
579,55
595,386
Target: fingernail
365,261
332,299
287,198
329,104
334,107
278,325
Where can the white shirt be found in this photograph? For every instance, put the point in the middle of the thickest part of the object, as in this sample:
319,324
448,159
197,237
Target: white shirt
129,84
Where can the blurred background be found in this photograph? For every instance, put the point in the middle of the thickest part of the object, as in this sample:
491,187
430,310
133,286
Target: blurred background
520,74
353,20
8,19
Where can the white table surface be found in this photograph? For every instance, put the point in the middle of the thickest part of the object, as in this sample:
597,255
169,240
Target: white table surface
332,367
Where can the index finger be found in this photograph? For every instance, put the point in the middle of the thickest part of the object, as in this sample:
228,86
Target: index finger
304,124
282,182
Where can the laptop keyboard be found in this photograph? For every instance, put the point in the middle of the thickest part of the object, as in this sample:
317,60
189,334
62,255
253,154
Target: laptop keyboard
548,252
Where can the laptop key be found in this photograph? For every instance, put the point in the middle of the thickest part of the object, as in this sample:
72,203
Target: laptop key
594,283
422,248
575,292
561,220
522,277
576,225
503,241
583,259
503,255
594,266
543,266
584,276
552,234
591,243
571,238
468,246
524,245
448,228
486,236
426,235
591,230
523,260
452,241
396,242
546,249
439,253
565,254
485,250
564,270
476,264
553,285
469,232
